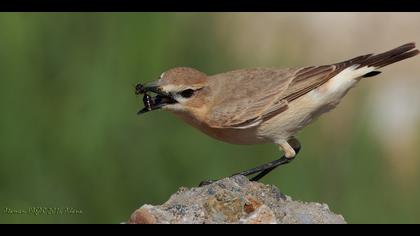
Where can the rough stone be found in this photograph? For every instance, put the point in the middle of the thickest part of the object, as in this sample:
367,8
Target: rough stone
234,200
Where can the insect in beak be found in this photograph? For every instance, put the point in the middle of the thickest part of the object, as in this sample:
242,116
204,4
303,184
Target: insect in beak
152,103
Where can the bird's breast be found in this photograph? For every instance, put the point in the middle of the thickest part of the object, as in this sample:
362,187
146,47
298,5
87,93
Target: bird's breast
229,135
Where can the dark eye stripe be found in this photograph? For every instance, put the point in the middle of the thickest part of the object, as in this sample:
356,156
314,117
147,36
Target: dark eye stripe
187,93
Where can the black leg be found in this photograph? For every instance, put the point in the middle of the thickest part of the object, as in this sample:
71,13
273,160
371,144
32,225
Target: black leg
283,160
265,167
263,170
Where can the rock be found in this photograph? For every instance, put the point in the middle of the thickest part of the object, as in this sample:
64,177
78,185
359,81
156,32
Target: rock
234,200
143,216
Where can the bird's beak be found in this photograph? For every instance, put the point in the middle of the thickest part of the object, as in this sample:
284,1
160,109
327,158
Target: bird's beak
161,99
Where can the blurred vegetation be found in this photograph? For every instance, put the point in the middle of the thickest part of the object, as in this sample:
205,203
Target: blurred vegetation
70,136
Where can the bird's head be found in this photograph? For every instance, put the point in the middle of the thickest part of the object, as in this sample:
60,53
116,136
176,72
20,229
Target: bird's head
180,90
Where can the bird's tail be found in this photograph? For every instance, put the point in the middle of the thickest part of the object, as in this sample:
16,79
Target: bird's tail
394,55
380,60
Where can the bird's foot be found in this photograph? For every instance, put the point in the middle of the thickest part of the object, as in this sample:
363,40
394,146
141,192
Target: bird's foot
263,170
206,182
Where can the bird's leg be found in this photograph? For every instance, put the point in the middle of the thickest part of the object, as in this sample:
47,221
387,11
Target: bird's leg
291,148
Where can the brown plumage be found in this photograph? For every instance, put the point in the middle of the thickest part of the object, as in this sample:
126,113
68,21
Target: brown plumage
278,87
258,105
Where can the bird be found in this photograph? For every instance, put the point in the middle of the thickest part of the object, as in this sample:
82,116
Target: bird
261,105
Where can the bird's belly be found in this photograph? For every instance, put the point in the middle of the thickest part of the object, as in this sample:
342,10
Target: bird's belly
236,136
229,135
289,122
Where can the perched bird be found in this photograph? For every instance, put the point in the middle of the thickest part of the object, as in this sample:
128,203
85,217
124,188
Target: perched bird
260,105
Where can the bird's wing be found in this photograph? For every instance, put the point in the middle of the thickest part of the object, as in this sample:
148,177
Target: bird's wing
244,94
259,94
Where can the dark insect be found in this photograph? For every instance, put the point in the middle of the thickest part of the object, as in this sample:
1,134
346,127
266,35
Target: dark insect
147,101
140,89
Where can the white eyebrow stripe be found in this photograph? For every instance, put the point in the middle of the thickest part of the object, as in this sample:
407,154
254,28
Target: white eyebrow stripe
161,76
173,88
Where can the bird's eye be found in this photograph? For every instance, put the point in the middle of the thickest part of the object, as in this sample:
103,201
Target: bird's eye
187,93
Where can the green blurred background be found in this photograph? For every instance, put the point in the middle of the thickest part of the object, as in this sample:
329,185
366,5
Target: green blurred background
70,136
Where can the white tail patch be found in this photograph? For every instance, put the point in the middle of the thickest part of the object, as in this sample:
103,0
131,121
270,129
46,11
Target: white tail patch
348,77
337,86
